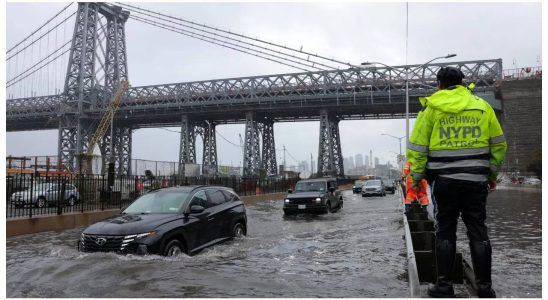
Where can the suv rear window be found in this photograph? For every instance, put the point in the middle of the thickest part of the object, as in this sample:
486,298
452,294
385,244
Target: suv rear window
310,186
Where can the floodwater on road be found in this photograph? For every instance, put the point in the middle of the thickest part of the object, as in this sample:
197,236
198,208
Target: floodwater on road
355,252
514,219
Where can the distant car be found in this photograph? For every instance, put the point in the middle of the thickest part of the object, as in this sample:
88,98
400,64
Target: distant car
532,180
389,186
46,194
314,195
357,187
169,222
373,187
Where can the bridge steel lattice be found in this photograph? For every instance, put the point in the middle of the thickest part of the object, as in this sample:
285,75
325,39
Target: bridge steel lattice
197,107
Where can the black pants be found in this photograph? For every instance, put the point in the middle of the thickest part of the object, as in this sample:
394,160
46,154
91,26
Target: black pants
452,198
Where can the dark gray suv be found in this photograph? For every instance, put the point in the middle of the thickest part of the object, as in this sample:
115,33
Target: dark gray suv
314,195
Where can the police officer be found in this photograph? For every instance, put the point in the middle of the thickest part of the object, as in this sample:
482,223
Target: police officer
457,144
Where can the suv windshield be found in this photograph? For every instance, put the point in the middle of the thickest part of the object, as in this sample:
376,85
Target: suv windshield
358,182
373,183
160,202
310,186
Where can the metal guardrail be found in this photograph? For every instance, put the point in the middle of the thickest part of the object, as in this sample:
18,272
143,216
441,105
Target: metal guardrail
412,272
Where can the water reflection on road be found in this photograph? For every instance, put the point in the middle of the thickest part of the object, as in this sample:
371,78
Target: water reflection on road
356,252
514,218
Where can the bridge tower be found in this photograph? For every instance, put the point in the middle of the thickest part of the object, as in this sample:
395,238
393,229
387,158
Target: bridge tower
83,90
330,160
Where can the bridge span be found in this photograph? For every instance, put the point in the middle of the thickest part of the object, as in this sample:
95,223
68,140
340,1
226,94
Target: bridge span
197,107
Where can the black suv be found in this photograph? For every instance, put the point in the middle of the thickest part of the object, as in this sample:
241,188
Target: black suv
389,186
170,221
314,195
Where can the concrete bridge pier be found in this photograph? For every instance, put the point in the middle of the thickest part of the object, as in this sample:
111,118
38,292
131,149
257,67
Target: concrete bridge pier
330,160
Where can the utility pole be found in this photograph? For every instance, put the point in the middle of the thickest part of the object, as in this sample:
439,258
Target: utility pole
311,165
285,166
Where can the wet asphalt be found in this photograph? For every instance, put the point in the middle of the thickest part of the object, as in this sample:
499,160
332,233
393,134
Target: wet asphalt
355,252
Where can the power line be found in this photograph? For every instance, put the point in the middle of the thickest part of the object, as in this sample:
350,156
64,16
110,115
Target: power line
233,44
47,22
153,23
244,36
237,40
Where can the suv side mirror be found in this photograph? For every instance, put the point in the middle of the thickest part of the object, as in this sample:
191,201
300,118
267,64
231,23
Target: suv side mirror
196,209
289,191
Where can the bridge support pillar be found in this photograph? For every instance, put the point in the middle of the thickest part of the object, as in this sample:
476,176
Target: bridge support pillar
252,154
122,145
187,149
269,150
330,160
209,166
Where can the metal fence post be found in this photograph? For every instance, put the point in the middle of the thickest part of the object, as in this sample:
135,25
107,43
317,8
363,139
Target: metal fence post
31,193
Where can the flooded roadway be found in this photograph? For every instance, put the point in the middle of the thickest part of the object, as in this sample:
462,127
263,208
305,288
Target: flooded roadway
356,252
514,219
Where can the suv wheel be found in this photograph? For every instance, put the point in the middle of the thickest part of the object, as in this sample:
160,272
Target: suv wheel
71,201
174,248
238,230
327,207
41,202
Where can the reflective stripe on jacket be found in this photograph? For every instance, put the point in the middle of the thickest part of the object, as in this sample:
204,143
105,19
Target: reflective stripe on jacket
456,135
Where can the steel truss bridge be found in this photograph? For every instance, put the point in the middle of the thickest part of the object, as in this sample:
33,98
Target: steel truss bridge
197,107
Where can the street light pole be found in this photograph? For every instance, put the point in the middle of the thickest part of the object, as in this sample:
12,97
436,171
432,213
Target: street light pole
407,88
398,138
407,94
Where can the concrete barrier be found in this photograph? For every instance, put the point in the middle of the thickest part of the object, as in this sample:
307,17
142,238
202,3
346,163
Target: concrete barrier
19,226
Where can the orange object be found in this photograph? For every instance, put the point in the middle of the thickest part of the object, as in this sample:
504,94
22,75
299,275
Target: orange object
411,195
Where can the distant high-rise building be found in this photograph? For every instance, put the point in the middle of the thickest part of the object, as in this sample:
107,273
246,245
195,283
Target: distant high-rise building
359,160
371,158
367,164
376,161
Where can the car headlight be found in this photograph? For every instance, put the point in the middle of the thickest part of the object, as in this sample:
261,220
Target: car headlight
318,200
287,201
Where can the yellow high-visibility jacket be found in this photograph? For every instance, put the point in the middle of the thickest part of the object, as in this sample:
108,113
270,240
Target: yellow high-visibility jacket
456,135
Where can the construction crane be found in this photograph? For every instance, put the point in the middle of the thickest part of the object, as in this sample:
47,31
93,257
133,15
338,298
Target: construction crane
104,124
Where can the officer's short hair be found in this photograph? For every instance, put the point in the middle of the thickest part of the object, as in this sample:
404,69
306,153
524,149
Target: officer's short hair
449,76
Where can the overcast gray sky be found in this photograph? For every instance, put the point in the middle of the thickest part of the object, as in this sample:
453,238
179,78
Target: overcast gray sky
354,32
